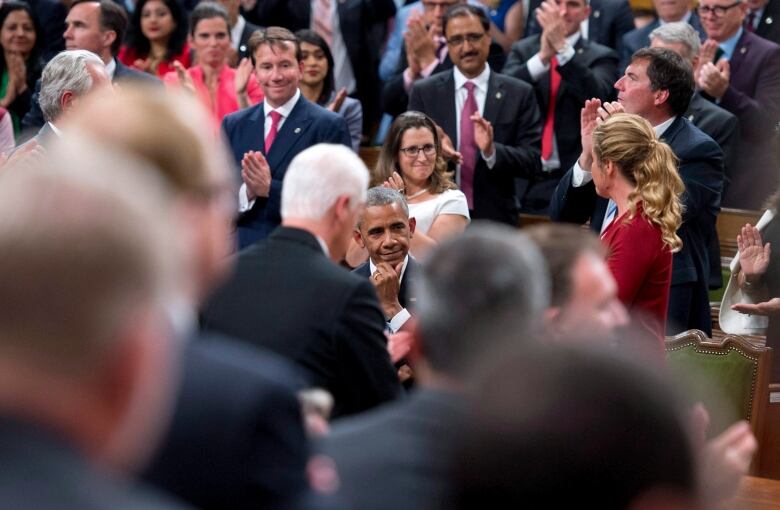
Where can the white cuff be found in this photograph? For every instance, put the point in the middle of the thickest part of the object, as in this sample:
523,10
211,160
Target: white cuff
399,320
565,55
244,204
579,176
536,68
491,161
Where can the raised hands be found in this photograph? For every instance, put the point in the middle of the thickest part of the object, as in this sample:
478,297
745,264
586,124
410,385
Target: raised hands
753,255
448,151
185,80
243,73
341,95
483,134
714,78
395,182
771,307
553,38
420,44
256,174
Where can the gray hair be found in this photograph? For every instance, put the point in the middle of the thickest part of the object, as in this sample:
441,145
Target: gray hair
318,176
477,291
380,195
67,71
679,32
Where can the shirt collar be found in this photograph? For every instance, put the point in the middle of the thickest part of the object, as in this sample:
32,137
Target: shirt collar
661,128
481,80
236,31
685,19
323,245
372,267
730,44
55,129
574,38
285,109
111,68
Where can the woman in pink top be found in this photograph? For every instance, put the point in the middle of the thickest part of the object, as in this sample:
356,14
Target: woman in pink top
156,38
216,84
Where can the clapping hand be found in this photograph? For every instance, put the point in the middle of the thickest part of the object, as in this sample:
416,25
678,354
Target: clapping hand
185,80
483,134
448,151
341,95
395,182
256,174
753,255
589,119
714,78
553,37
771,307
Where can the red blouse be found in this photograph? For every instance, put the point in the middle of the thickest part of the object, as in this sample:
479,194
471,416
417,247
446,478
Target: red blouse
128,57
642,266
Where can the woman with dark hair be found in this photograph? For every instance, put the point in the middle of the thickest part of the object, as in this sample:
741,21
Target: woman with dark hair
411,161
19,62
157,37
638,174
317,84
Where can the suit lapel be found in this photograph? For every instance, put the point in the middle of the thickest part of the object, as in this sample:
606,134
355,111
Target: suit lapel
741,54
447,106
494,99
291,132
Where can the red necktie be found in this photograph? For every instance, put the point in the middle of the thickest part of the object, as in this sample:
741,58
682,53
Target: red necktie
749,21
549,121
269,140
321,20
468,147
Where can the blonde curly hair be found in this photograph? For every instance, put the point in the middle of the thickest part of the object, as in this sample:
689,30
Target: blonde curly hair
629,142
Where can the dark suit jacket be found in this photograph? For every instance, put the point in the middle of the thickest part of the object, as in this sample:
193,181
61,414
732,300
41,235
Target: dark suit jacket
769,26
511,108
237,438
287,296
701,169
362,24
307,125
39,470
608,21
243,44
754,97
413,438
51,16
394,96
406,296
640,38
34,118
721,125
591,73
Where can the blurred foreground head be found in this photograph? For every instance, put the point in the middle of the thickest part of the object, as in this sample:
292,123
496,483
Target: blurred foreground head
170,132
567,428
86,266
478,291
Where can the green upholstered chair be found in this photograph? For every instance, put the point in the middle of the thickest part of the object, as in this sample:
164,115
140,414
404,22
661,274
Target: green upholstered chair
730,377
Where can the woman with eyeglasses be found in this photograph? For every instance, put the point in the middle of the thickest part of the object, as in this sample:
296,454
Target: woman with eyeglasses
411,161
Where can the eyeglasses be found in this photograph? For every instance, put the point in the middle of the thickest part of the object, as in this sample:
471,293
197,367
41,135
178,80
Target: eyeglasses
412,151
718,10
457,40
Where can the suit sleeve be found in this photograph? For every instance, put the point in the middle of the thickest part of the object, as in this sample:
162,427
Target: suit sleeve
597,80
517,65
361,344
728,138
703,178
394,98
570,204
522,156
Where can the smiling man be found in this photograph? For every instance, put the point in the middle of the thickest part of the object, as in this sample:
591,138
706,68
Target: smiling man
385,231
658,86
741,73
267,136
492,119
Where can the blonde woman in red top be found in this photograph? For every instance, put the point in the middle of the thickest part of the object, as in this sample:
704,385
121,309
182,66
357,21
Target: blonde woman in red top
638,173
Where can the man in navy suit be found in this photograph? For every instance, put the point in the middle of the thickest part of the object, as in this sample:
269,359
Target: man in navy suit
741,72
668,11
493,119
608,21
385,230
266,137
658,86
97,26
764,18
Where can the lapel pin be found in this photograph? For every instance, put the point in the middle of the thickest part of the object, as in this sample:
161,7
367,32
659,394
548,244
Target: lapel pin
579,51
297,130
768,21
743,50
242,48
498,95
596,14
690,118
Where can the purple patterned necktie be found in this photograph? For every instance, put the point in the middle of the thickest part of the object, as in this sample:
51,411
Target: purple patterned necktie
468,147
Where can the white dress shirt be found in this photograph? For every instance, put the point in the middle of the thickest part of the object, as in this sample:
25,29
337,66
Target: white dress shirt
343,74
244,204
480,94
236,31
399,319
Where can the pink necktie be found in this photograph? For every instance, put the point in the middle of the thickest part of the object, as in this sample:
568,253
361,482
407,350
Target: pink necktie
269,140
468,147
322,21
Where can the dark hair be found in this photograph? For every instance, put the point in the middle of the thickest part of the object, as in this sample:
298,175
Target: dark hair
273,36
34,64
564,427
668,71
138,42
208,10
562,246
457,11
112,17
441,179
328,85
